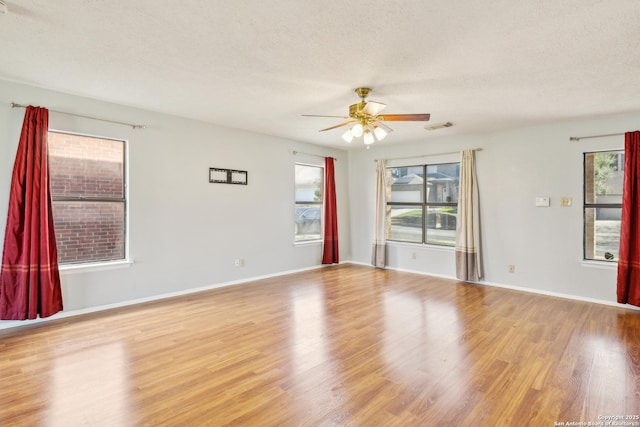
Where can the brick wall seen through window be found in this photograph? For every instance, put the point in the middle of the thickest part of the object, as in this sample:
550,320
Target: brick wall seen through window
88,190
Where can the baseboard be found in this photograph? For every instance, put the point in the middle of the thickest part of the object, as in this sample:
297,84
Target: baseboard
10,324
561,295
518,288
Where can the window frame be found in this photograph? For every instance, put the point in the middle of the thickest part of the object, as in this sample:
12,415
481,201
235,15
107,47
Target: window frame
106,263
320,203
595,205
425,204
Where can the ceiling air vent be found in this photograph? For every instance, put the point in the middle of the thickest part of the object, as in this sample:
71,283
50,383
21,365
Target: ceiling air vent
439,126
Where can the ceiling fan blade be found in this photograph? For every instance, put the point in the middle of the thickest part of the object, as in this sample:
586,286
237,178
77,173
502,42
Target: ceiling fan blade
405,117
348,122
316,115
373,108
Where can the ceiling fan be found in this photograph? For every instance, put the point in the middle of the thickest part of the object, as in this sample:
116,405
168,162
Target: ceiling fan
367,121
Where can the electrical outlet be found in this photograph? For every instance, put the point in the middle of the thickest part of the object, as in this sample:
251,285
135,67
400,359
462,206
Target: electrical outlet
413,255
565,202
512,268
239,262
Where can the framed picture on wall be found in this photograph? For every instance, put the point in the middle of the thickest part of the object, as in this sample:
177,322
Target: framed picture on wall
228,176
218,175
238,177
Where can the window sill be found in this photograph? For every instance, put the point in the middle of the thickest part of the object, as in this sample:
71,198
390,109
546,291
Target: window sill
95,266
308,243
422,245
605,265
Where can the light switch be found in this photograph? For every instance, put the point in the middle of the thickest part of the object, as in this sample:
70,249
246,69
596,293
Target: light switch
542,202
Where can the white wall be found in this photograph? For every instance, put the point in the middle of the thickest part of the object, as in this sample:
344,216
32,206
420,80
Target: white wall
544,244
184,232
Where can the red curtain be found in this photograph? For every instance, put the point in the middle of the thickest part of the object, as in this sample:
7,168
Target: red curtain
29,279
629,255
330,251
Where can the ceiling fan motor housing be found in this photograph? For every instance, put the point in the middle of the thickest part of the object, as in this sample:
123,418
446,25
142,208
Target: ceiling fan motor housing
355,110
362,92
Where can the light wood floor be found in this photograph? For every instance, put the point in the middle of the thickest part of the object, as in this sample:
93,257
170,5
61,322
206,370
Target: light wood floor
345,345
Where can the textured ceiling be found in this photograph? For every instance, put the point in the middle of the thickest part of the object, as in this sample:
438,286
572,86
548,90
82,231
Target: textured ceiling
259,65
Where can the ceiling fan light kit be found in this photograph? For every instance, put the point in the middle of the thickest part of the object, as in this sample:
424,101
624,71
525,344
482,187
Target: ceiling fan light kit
357,130
366,121
347,136
368,137
380,133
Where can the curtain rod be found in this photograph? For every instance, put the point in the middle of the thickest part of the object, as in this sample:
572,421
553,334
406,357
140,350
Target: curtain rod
314,155
427,155
578,138
15,105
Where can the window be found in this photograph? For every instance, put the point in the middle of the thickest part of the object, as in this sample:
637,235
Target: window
603,177
309,196
89,198
424,210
